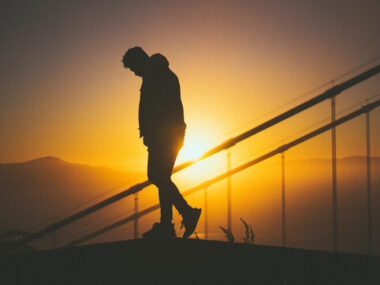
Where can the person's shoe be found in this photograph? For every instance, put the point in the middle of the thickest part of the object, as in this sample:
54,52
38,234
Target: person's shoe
190,221
160,231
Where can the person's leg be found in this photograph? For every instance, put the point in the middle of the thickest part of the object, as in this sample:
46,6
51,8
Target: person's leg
160,165
177,199
158,175
190,215
170,152
164,229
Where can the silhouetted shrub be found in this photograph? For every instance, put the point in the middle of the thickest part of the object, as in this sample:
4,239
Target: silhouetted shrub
8,239
228,233
249,235
11,236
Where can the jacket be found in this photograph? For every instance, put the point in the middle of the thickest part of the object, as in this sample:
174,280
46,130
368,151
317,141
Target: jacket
160,108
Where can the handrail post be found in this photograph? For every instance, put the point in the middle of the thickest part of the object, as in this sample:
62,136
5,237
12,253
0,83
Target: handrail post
334,184
206,212
369,194
283,199
136,222
229,223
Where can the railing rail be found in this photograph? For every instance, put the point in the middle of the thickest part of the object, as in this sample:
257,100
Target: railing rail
364,110
329,93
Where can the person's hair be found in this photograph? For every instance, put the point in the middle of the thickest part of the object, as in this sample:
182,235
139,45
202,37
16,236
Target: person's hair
133,55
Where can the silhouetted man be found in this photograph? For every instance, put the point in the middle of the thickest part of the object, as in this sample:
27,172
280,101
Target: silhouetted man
162,127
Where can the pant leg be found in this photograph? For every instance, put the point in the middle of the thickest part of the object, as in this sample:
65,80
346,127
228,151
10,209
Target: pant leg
161,160
158,174
177,199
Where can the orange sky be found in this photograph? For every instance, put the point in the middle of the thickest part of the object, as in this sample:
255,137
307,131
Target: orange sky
64,92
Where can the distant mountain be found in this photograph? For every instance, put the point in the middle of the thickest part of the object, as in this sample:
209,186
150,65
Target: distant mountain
46,160
33,193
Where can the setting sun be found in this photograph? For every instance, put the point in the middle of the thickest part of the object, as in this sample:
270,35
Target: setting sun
192,150
196,143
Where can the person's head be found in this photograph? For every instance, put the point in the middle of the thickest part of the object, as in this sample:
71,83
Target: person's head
136,60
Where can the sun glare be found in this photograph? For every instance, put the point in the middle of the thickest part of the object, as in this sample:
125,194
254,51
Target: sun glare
197,142
192,149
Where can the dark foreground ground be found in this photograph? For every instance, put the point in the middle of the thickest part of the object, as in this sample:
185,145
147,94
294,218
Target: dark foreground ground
187,262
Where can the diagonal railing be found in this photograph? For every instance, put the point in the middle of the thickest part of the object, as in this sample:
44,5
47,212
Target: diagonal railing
364,110
329,93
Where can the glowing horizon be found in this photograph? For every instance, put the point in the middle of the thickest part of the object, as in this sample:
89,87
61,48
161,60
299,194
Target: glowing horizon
67,94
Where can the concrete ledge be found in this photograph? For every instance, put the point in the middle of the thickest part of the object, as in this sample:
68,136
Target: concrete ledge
187,262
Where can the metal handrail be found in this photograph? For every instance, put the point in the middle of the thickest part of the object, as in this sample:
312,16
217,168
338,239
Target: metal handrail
329,93
365,109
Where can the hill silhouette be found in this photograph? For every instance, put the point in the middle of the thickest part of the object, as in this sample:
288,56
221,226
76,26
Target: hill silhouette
33,193
36,192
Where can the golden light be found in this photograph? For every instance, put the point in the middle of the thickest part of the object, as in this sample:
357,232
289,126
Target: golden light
196,143
192,150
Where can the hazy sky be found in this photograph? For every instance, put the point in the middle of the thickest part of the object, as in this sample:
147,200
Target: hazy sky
64,92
